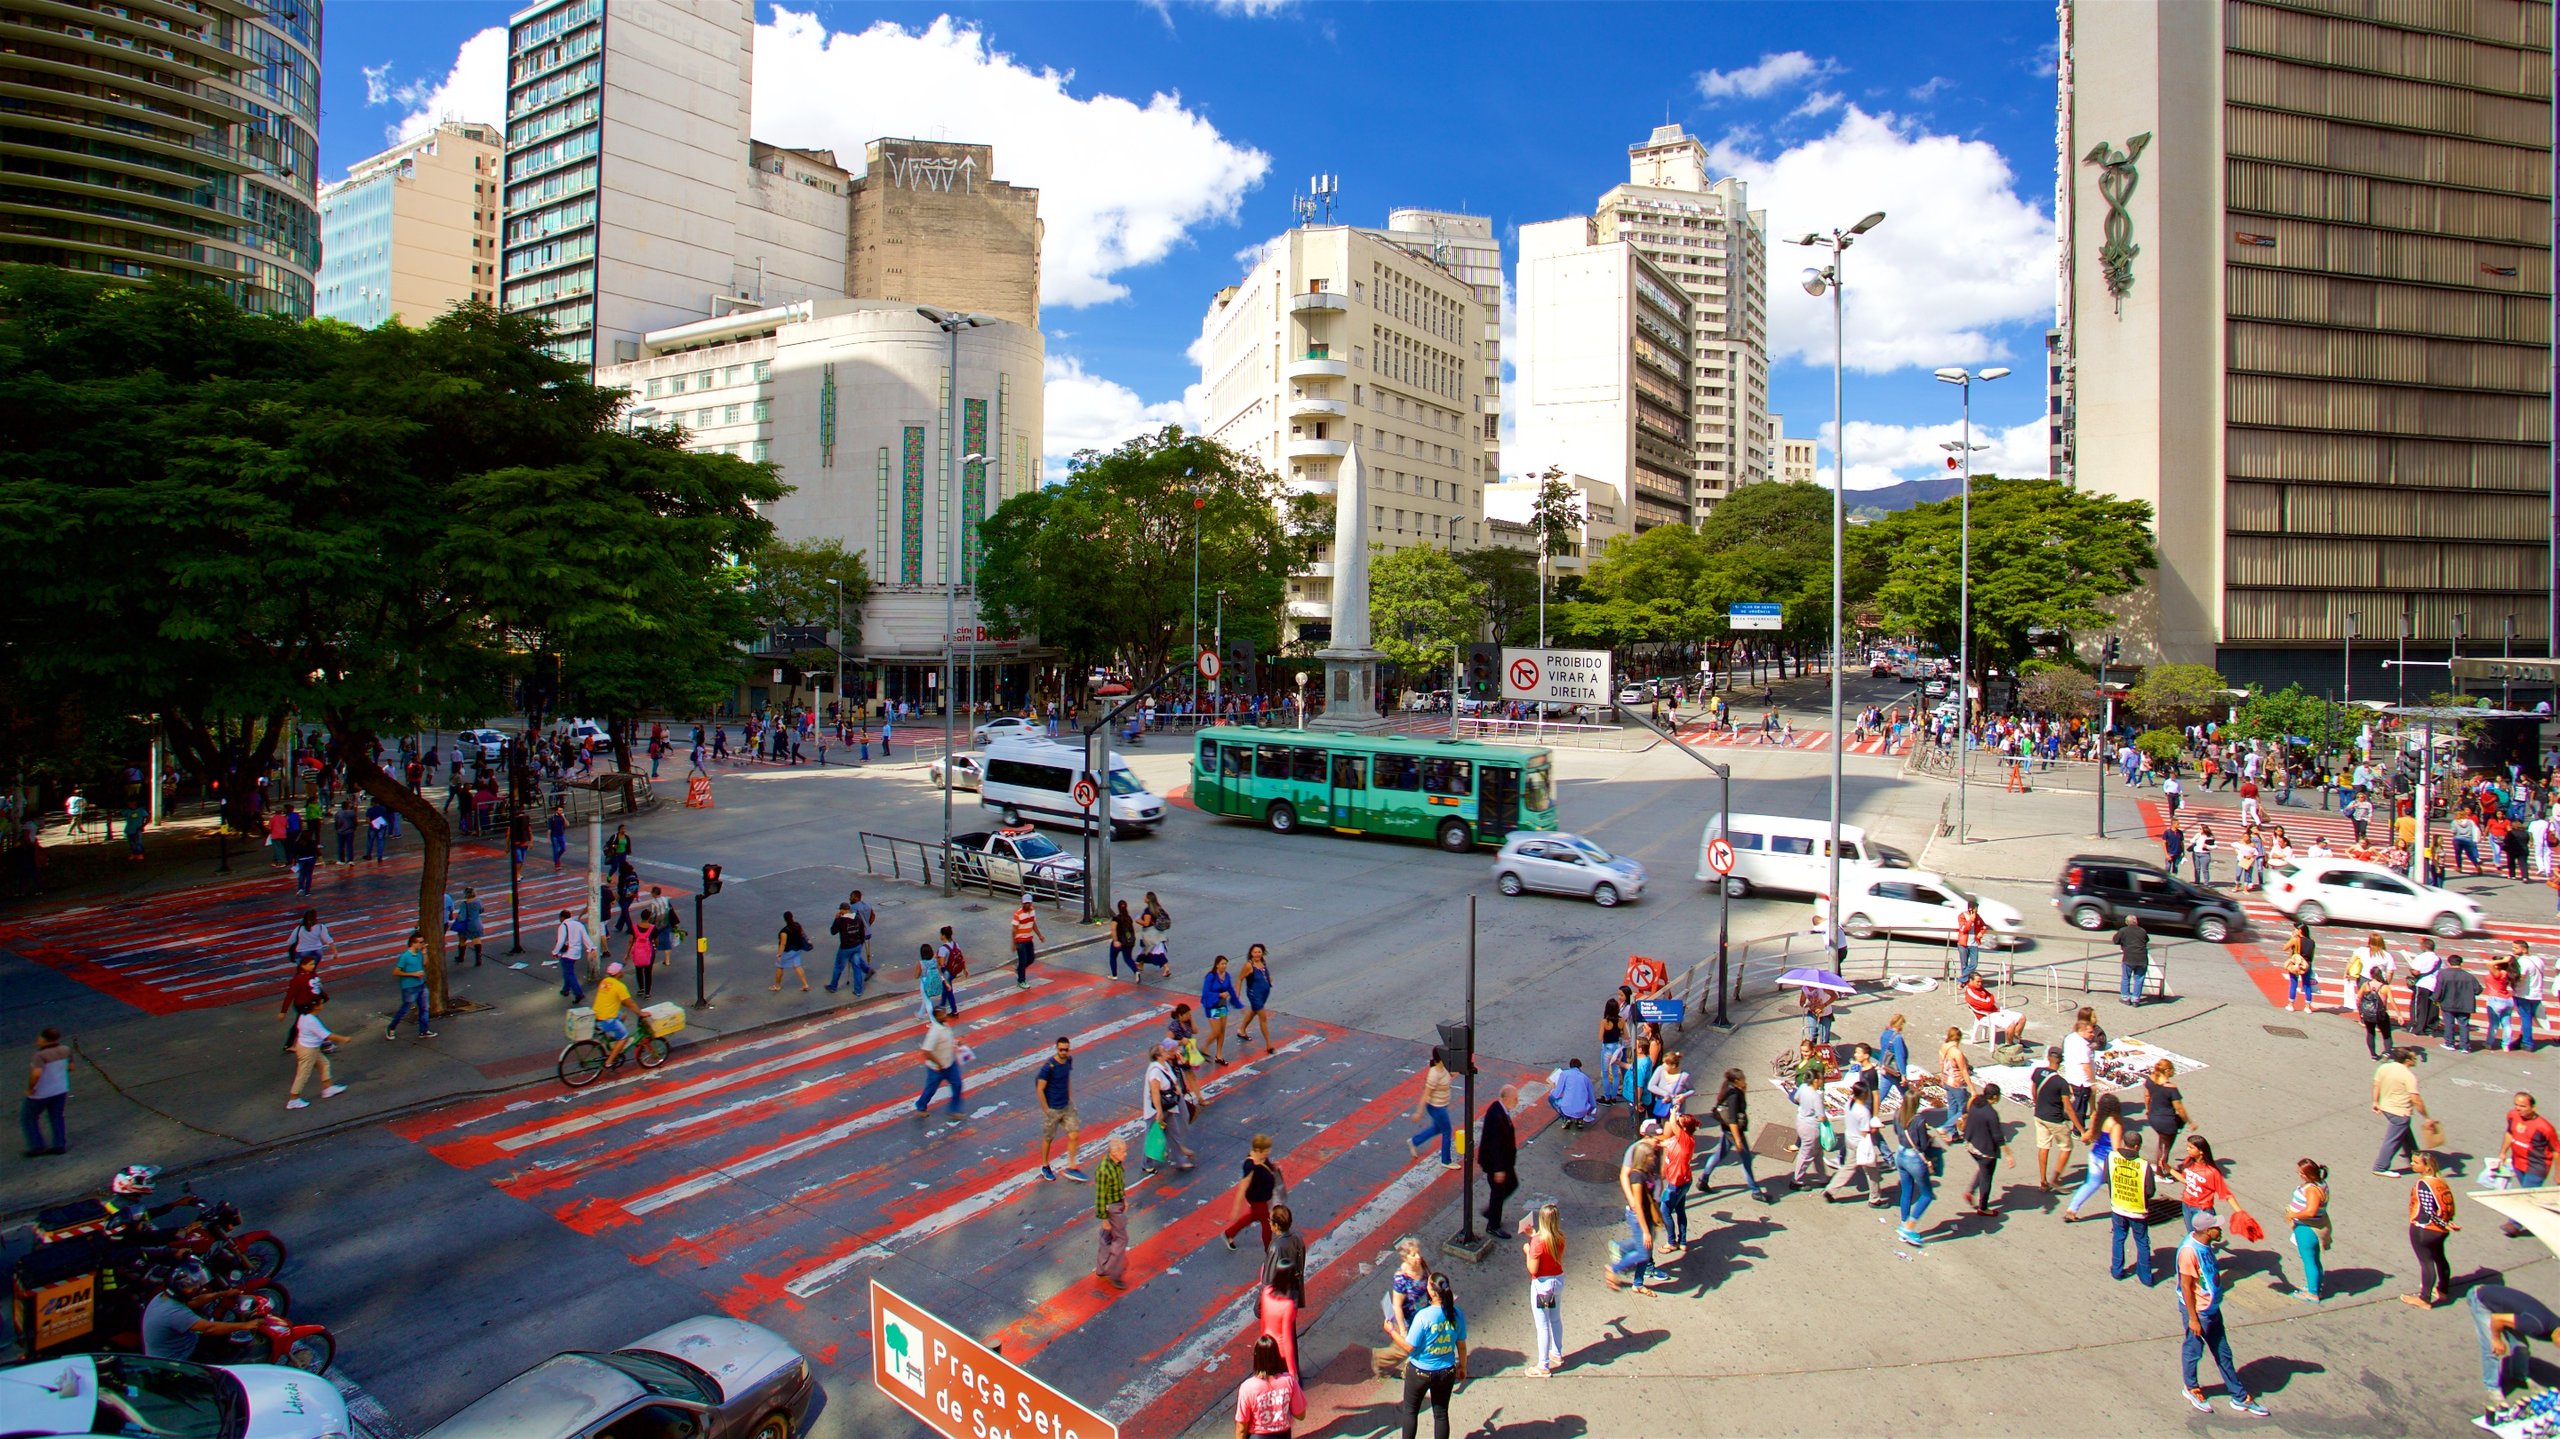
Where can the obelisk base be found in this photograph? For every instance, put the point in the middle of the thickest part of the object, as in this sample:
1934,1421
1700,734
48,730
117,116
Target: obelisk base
1350,693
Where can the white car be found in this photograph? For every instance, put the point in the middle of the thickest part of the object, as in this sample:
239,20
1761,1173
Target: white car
1561,863
1008,727
2354,891
129,1394
482,744
968,771
1916,903
1934,688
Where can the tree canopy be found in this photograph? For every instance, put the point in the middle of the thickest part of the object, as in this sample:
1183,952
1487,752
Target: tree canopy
2181,694
1421,605
1507,581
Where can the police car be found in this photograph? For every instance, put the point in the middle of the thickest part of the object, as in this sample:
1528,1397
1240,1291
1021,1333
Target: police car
130,1394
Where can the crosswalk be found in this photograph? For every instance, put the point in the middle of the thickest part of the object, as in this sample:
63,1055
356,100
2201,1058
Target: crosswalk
218,944
781,1172
1803,739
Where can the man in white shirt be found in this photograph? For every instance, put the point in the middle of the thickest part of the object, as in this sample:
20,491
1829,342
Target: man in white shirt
2529,974
2424,967
2079,1059
570,945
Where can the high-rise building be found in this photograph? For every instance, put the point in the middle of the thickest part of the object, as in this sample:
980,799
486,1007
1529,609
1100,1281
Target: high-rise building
1701,231
172,137
1465,246
933,225
2307,310
413,232
1338,337
1604,375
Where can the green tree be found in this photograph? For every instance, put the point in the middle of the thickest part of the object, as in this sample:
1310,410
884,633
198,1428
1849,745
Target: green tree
2166,747
1508,581
2286,714
2046,557
2181,694
1647,590
1100,566
1421,604
2058,689
791,589
240,521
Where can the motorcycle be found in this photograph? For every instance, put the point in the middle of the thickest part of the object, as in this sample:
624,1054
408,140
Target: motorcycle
308,1347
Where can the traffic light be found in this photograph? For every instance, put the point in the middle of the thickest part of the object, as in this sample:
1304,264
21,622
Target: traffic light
2115,650
710,879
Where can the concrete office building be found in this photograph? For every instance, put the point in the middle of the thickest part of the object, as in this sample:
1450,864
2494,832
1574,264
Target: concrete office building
931,224
850,400
176,137
413,231
2307,304
1604,517
1603,369
1465,246
1799,461
1337,337
1702,232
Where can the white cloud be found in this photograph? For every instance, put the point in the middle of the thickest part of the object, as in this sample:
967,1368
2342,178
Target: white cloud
1774,72
1888,454
1961,252
1084,411
474,89
1819,103
1121,183
1928,90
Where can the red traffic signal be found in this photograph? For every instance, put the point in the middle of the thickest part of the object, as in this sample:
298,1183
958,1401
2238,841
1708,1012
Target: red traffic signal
710,879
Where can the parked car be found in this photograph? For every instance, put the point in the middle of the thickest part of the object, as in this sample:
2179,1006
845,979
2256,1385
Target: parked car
482,744
707,1378
2354,891
1640,692
968,771
129,1394
1009,727
1917,903
2097,891
1561,863
1019,860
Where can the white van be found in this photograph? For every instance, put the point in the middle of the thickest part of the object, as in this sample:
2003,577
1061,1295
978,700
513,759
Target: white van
1782,852
1034,780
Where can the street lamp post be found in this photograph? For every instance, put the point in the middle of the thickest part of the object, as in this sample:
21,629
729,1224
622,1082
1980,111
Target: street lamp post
2347,662
2506,651
950,323
1963,451
1831,277
1191,480
1218,642
2401,670
838,586
2461,627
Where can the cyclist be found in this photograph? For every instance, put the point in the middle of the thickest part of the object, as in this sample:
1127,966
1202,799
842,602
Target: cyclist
612,997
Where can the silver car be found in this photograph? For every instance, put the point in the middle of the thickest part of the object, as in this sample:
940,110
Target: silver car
706,1378
1562,863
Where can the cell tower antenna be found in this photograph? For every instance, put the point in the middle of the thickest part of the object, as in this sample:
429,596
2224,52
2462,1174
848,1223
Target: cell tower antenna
1323,188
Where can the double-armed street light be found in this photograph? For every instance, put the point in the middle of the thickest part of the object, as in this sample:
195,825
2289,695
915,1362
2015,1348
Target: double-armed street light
1963,452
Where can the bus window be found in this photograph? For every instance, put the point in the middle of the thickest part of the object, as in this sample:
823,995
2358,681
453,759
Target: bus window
1346,772
1743,839
1448,776
1538,795
1308,765
1235,762
1398,771
1208,757
1790,844
1272,762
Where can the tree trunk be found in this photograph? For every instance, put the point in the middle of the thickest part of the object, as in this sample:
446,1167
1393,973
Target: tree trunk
355,751
229,762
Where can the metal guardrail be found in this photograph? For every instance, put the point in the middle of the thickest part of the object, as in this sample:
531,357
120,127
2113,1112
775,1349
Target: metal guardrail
1991,767
925,862
910,860
1534,734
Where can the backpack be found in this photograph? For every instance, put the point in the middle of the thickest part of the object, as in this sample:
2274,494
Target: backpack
1164,920
2369,1006
954,963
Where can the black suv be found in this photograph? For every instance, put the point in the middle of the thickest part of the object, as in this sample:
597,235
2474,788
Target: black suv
2097,891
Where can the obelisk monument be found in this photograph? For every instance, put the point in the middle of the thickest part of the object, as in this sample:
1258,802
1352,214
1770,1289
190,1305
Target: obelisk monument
1350,665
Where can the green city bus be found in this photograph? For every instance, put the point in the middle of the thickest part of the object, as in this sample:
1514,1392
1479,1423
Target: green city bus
1456,793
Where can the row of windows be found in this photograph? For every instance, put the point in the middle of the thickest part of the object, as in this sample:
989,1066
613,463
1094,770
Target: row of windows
553,121
553,23
2390,359
2371,510
531,98
2267,189
2381,460
581,281
701,380
1425,774
709,415
576,180
542,159
567,250
2385,100
551,220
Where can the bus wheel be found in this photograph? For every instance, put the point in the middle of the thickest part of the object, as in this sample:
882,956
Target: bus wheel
1012,816
1454,837
1282,818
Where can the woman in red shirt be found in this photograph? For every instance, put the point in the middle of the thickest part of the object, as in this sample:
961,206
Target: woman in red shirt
1282,1298
1269,1402
1544,1251
2201,1186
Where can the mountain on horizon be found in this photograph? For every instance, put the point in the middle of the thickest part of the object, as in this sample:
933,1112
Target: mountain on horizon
1867,505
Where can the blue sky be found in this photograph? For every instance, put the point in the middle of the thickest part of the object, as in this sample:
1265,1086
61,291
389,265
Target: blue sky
1169,137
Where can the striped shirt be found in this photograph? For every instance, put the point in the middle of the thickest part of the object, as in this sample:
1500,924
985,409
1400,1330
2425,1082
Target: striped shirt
1026,925
1108,1187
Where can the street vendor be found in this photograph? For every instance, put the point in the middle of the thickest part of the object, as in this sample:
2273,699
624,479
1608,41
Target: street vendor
2008,1026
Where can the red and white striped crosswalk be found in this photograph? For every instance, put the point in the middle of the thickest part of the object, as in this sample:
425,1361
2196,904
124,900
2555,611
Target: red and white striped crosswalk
1803,739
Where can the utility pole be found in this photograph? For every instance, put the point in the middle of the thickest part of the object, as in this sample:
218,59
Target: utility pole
1467,1242
2107,655
1724,890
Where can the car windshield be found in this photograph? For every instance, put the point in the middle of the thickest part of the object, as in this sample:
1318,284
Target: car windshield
1035,846
665,1375
1123,782
167,1399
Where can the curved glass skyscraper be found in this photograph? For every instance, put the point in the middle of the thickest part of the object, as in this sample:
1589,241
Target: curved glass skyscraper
177,136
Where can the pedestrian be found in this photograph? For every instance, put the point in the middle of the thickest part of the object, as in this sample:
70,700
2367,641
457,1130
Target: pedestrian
570,946
344,826
1984,1138
2130,1187
558,827
1542,1246
304,846
851,935
1731,1114
2431,1210
1435,1359
1027,938
2164,1108
1970,929
1816,1003
1258,1185
1111,1211
2530,972
2200,1306
2202,1187
1917,1161
2526,1151
2299,985
1164,1108
1613,1044
2506,1319
2308,1212
789,943
1431,1106
943,1055
1053,1085
1269,1402
410,968
2498,996
311,1041
2396,1099
1498,1155
1859,1155
1257,996
955,968
1571,1096
2458,992
469,920
1218,999
2373,1008
1287,1249
48,1093
1955,1071
2133,950
934,988
1124,941
1639,1175
1154,923
2057,1117
1807,1098
642,951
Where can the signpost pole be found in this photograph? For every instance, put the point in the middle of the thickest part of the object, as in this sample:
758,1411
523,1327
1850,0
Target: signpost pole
1724,894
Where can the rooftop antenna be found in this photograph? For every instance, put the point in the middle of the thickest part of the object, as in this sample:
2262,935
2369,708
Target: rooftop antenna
1323,188
1304,208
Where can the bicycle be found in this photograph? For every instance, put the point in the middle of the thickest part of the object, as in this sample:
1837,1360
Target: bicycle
583,1062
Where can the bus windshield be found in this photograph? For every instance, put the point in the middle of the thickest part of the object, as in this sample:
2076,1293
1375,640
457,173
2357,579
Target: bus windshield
1538,791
